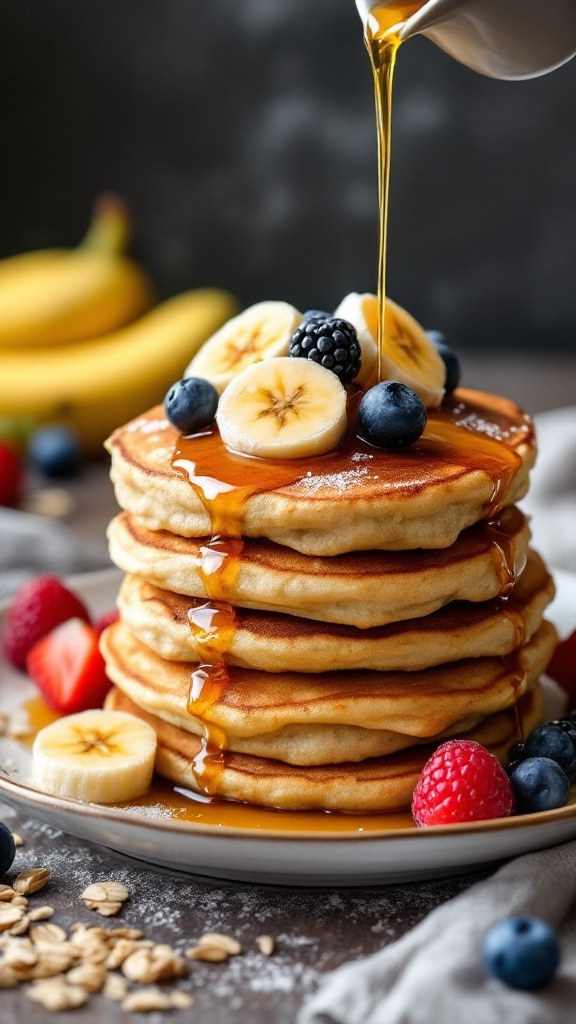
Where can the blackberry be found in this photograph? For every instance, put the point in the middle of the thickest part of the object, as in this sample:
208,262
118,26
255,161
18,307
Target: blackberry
331,342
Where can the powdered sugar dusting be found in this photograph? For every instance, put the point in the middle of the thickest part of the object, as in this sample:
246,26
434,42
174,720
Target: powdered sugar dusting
146,426
339,482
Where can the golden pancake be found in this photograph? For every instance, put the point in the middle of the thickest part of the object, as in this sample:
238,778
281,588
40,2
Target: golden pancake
362,589
311,719
473,458
380,784
271,642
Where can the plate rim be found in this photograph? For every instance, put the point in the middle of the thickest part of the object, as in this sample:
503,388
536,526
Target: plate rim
20,791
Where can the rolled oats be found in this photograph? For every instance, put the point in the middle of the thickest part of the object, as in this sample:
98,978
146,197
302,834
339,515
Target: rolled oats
56,994
21,926
10,916
7,893
231,946
89,976
18,841
106,909
157,964
20,954
31,880
47,934
146,1000
265,944
181,1000
106,892
40,913
211,954
115,988
19,901
8,977
121,949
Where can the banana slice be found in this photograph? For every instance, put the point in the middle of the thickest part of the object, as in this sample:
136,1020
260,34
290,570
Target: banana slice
260,332
359,310
102,757
283,409
408,354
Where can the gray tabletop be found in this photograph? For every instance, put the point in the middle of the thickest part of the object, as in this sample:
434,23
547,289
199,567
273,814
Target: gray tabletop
315,930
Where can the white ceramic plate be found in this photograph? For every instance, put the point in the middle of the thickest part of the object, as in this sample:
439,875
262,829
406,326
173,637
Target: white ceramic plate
266,855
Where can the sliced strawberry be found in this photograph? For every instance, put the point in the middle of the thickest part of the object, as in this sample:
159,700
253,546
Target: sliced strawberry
67,667
106,620
562,668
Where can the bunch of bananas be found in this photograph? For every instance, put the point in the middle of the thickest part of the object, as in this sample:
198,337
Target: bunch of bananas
81,342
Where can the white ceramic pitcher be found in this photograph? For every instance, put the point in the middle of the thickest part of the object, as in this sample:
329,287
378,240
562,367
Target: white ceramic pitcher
499,38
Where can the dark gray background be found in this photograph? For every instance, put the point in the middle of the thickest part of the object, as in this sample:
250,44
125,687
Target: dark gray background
243,133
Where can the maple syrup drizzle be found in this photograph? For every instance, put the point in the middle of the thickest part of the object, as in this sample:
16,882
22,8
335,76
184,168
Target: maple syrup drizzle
459,434
382,38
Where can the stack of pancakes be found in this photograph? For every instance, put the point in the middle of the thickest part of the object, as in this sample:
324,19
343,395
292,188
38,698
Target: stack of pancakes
303,638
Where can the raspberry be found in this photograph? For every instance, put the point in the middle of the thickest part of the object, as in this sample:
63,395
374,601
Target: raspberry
39,606
462,781
331,342
10,476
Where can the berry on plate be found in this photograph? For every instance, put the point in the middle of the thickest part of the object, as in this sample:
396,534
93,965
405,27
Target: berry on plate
450,359
67,667
562,668
39,606
539,784
11,476
191,404
331,342
7,849
554,742
462,781
523,952
391,415
55,452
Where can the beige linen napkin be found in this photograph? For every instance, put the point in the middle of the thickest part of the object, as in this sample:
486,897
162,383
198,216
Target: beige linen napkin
435,974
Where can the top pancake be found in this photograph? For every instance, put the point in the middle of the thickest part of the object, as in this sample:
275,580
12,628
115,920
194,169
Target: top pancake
473,458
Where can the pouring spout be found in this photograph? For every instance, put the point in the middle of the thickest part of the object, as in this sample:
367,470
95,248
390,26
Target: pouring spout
506,39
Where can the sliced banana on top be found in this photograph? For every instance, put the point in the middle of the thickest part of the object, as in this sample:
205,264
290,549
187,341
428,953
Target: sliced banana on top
260,332
408,355
283,409
98,756
358,309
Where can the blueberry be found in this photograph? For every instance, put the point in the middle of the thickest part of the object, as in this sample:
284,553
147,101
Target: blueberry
539,784
552,741
451,361
191,404
311,314
55,451
391,415
7,849
523,952
568,725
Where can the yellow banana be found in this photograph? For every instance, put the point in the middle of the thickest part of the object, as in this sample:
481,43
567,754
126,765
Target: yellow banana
95,385
56,296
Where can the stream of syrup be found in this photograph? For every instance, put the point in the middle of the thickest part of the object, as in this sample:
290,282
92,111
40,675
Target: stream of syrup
382,38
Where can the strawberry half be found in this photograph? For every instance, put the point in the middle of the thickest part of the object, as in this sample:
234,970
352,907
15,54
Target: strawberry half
67,667
562,668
